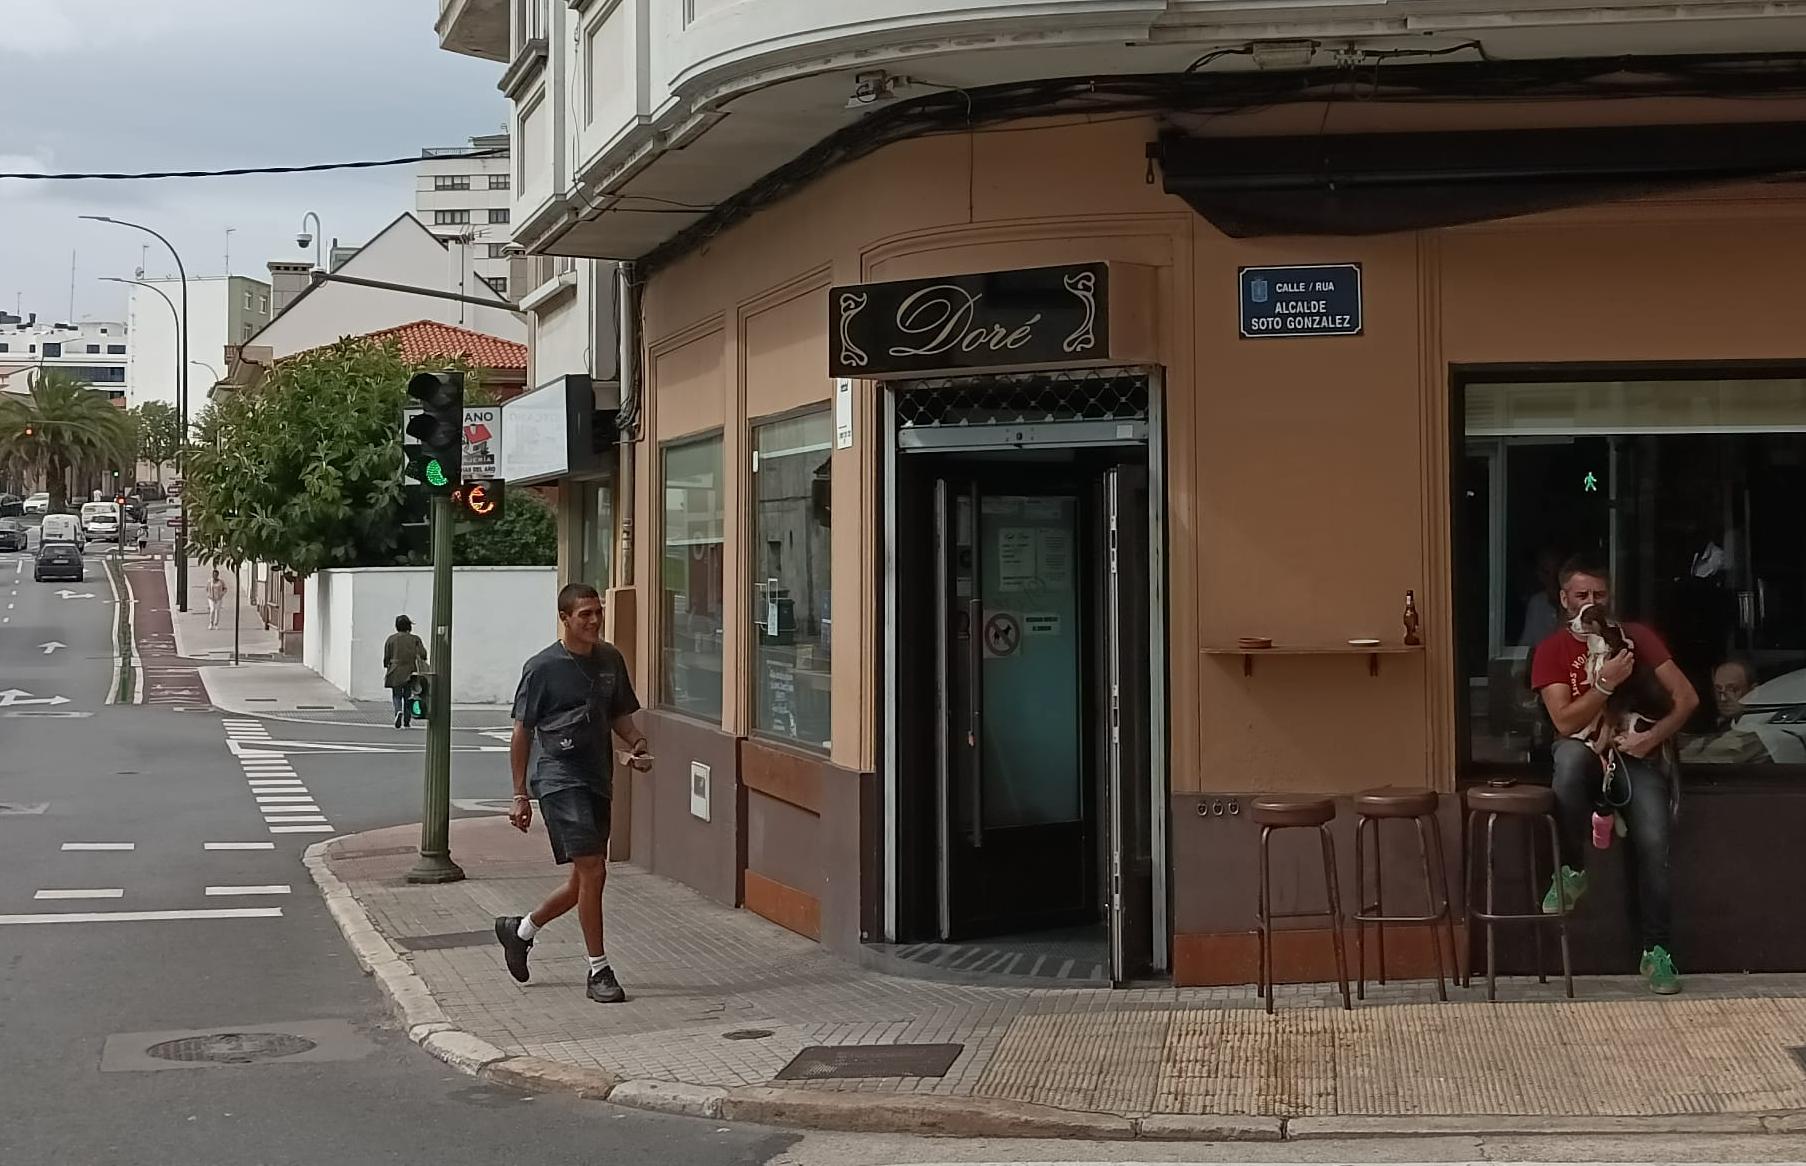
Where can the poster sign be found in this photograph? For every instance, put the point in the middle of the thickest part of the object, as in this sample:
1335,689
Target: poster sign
843,413
994,319
482,442
1321,300
1003,635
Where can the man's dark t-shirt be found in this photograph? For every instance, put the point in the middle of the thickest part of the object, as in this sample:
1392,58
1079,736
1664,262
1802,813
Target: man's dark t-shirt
557,681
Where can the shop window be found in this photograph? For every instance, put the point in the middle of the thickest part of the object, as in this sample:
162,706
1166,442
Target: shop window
792,616
691,609
1688,490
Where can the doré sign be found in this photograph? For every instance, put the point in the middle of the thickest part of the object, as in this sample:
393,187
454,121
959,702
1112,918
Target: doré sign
995,319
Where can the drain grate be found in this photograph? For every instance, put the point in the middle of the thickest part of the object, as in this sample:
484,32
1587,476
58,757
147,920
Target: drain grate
231,1048
821,1062
747,1034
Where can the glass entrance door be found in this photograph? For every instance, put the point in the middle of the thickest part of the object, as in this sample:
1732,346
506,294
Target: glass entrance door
1012,660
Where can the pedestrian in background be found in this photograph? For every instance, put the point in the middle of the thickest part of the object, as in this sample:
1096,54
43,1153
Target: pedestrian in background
404,657
216,594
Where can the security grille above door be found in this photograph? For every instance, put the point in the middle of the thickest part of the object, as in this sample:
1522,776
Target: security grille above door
1079,407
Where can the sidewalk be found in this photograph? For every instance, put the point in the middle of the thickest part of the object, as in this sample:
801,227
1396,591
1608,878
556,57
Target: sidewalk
720,1002
196,641
291,691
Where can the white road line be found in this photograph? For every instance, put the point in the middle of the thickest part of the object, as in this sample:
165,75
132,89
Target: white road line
271,799
87,893
266,889
238,846
145,916
285,818
300,829
100,846
273,786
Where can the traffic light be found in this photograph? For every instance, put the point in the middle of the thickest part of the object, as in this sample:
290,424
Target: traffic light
436,458
481,501
416,525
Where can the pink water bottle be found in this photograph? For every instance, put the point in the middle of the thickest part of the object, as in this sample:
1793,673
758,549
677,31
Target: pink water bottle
1602,831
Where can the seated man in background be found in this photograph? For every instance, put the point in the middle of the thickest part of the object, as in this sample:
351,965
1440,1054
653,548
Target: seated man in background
1726,744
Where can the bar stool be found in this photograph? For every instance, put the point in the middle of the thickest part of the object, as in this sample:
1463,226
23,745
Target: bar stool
1419,806
1525,804
1287,812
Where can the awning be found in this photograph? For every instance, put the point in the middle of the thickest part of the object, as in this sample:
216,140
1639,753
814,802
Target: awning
1364,184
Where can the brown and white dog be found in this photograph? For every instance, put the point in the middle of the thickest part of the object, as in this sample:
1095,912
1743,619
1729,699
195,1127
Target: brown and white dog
1640,701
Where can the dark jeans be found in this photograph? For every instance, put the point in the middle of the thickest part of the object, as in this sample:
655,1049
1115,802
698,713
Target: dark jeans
1577,783
399,695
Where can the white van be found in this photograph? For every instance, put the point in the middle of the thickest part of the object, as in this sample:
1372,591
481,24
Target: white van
101,521
60,528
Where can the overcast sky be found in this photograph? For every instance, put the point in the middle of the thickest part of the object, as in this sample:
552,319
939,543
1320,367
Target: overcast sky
128,85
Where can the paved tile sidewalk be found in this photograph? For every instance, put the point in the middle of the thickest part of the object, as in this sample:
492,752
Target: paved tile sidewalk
289,690
701,977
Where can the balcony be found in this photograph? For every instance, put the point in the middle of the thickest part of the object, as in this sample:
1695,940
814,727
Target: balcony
678,104
474,28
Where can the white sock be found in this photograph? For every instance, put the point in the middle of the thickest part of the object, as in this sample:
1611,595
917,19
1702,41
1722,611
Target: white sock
527,929
597,963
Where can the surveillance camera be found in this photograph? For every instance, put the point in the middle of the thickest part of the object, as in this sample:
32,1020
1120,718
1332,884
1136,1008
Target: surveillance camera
304,239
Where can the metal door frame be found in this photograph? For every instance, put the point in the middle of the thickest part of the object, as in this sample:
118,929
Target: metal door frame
1153,438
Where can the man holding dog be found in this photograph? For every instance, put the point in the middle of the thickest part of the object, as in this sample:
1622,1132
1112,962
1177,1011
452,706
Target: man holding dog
1575,690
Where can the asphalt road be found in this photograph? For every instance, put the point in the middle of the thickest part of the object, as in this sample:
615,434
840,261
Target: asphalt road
109,809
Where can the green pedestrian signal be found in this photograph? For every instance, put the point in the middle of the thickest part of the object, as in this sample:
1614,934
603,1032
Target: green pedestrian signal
435,473
1590,482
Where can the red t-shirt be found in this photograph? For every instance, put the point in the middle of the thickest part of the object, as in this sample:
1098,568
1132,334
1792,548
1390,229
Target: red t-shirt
1562,658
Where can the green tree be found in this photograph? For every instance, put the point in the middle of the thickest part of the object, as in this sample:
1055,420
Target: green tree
159,427
62,426
526,535
303,472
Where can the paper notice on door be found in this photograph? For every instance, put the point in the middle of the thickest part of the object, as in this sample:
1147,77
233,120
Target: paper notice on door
1041,623
1016,558
1053,558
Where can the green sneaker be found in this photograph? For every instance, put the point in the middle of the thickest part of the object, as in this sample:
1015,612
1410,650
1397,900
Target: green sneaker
1658,968
1573,881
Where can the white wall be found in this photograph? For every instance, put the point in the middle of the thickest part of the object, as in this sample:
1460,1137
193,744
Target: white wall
217,317
501,616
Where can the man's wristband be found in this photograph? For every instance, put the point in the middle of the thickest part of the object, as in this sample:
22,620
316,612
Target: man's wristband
1606,691
522,798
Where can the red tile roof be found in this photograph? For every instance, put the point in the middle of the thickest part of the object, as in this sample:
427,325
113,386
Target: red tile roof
428,339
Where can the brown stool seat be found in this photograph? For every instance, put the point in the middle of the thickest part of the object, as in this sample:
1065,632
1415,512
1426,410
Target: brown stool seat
1511,799
1395,802
1291,810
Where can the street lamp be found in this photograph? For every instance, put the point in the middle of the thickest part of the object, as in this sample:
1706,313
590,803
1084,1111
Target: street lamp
181,392
317,237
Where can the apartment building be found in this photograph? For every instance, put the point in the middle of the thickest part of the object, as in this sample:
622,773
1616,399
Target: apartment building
468,200
996,374
224,311
96,352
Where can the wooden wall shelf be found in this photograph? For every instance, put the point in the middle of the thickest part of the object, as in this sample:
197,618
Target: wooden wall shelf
1372,652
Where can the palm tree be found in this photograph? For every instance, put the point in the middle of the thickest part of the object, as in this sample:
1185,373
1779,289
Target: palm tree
62,425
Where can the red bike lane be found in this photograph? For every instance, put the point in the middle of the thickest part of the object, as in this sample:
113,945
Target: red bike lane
168,678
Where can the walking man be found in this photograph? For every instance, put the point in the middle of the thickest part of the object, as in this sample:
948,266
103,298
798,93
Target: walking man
1575,697
216,594
572,696
404,658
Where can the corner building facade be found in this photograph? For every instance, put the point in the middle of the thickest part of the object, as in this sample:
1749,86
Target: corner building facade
960,469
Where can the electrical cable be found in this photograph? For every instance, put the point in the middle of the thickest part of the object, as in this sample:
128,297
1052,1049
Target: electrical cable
239,171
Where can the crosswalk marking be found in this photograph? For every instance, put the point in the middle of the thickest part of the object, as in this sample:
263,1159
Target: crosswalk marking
100,845
281,797
83,893
266,889
238,846
144,916
266,799
300,829
294,818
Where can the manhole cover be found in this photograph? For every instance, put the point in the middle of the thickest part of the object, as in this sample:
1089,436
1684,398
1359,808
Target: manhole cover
823,1061
231,1048
747,1034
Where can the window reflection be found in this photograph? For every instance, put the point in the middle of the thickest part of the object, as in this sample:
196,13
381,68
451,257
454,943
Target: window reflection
690,619
792,615
1689,491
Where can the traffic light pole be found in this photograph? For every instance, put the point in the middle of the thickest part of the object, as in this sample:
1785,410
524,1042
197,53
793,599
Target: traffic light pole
435,864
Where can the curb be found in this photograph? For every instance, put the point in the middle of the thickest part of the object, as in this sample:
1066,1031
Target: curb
428,1026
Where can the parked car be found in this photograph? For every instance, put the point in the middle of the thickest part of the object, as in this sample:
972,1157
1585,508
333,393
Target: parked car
11,506
12,535
150,491
58,561
38,503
